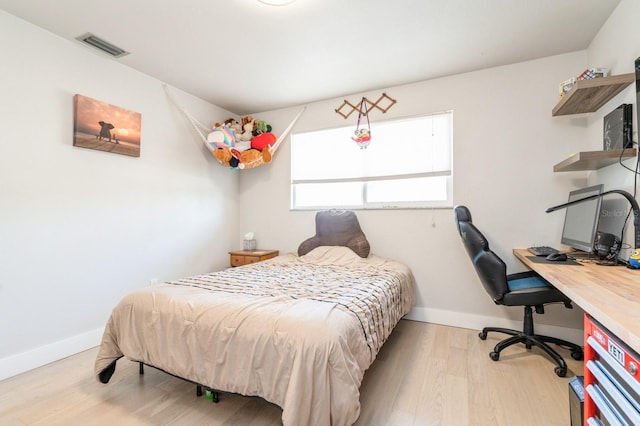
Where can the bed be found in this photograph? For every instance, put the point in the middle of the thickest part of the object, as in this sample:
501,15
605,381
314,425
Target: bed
298,331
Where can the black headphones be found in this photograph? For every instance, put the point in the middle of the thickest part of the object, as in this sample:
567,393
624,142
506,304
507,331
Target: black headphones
606,246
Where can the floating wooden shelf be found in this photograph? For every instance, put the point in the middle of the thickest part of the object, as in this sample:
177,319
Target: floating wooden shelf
592,160
590,95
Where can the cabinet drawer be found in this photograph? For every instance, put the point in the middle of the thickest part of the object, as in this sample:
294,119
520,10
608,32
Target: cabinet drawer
237,260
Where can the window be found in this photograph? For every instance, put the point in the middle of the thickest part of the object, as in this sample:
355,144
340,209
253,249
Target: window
407,165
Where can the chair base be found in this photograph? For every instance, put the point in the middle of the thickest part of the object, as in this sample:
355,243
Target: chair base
530,340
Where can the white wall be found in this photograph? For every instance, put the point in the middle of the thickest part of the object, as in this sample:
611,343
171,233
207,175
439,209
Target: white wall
80,228
616,46
505,145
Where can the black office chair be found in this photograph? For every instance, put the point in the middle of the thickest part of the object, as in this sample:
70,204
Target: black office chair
526,289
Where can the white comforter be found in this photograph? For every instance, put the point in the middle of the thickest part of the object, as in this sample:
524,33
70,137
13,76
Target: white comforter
298,331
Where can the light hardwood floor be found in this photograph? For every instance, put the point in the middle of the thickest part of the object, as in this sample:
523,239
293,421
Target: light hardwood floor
425,374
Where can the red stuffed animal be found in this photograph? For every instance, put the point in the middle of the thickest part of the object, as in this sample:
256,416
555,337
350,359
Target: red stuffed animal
263,140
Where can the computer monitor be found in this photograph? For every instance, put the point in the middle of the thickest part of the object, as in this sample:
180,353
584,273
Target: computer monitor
581,220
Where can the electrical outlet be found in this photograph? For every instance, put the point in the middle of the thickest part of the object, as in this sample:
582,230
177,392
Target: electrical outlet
153,281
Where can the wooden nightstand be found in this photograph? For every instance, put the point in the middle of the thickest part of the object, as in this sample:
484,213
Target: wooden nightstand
244,257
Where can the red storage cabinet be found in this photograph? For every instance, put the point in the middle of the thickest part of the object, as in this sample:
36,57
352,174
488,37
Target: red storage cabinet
611,378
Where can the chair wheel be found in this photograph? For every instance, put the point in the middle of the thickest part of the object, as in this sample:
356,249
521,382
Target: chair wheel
560,371
578,356
494,356
482,335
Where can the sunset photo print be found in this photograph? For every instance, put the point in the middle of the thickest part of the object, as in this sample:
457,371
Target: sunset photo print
104,127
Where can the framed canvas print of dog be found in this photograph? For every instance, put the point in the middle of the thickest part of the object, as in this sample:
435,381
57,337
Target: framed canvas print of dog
104,127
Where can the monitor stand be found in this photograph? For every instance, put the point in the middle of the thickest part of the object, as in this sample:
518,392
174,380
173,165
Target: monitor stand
579,254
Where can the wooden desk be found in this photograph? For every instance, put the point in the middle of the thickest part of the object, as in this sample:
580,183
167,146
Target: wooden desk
611,294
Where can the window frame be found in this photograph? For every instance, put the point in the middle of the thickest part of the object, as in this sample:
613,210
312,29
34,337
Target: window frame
447,202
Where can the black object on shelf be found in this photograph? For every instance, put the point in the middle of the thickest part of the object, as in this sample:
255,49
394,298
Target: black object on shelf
618,128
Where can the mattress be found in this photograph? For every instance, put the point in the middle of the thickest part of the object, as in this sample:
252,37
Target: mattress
298,331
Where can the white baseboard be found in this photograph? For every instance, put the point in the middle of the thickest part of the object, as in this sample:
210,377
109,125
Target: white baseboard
478,322
28,360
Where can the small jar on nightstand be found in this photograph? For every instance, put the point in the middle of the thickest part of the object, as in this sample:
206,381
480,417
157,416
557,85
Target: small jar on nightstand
244,257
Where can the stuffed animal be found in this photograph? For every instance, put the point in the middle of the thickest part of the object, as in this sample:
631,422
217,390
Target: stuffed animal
634,259
245,149
260,127
263,141
231,157
250,158
223,155
221,136
247,128
362,137
235,127
228,157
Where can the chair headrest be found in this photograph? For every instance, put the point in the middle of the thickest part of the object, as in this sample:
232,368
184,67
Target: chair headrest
461,214
474,240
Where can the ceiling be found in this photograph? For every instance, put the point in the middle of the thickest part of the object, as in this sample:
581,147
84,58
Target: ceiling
249,57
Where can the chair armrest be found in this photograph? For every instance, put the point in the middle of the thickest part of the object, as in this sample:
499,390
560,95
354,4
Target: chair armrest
520,275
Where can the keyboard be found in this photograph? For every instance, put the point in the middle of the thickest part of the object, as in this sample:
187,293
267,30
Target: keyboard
542,250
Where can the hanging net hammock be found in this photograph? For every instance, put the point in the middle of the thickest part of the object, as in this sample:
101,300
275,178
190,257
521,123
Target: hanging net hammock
232,146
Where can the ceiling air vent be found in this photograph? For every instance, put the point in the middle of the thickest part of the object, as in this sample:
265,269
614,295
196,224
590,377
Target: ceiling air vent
102,45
